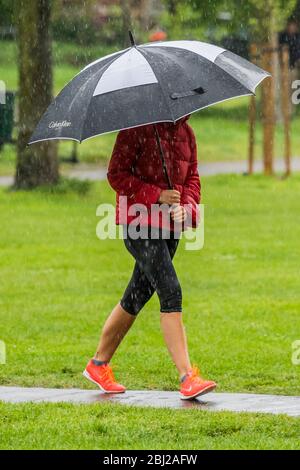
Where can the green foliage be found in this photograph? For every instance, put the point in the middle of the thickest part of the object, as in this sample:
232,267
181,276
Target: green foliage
6,12
77,29
261,18
264,17
76,23
74,56
192,20
184,24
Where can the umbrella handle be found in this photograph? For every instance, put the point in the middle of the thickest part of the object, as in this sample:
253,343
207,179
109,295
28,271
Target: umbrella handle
162,157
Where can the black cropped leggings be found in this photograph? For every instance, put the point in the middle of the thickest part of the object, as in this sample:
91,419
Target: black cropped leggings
153,271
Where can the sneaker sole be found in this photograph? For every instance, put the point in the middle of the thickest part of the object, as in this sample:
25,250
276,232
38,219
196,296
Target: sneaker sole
208,389
87,376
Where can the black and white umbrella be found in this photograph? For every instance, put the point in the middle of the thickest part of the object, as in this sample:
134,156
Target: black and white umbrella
149,83
144,84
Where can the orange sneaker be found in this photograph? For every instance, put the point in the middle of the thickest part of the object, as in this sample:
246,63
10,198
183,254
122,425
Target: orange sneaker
103,377
193,385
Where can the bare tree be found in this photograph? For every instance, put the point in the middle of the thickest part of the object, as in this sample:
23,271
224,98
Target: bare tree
37,164
126,20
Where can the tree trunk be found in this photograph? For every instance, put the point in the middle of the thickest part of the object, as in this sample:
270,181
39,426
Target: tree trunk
296,12
268,89
268,109
172,7
37,164
145,14
126,21
252,115
286,106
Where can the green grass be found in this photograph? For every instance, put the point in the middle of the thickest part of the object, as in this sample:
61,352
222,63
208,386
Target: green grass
110,427
221,131
241,310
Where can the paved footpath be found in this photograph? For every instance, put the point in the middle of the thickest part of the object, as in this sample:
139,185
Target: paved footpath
238,402
96,173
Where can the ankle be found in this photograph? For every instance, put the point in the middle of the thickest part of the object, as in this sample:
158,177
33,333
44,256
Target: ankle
98,362
183,374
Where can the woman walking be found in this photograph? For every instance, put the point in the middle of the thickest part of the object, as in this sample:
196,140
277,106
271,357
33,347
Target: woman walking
137,175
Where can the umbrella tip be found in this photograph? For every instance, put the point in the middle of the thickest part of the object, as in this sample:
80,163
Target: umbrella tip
132,41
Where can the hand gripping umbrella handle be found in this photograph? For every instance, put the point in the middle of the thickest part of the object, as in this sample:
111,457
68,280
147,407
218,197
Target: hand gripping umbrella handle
163,158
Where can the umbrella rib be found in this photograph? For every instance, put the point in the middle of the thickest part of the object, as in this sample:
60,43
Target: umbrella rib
213,63
166,46
229,74
264,74
161,88
233,78
105,68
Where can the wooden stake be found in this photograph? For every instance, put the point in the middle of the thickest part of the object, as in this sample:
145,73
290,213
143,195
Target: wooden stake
268,109
252,117
285,105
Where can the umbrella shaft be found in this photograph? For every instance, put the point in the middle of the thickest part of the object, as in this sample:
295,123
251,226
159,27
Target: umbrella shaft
165,170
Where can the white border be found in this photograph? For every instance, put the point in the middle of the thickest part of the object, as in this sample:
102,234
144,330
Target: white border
144,124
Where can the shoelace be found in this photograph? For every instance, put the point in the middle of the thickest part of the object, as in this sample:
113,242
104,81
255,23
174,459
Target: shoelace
108,374
195,375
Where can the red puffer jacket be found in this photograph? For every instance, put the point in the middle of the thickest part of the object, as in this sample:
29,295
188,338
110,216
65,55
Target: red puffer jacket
135,171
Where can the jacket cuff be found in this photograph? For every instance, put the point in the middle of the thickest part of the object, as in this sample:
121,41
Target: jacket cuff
149,194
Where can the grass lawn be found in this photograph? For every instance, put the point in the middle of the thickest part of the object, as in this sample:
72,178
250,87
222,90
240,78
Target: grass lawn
49,426
221,131
241,309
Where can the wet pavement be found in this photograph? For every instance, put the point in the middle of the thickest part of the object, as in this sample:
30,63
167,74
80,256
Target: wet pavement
237,402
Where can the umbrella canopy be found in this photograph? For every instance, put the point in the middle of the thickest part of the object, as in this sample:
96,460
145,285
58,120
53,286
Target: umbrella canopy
144,84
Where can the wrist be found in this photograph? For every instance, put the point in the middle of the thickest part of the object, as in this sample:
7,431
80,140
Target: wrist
159,195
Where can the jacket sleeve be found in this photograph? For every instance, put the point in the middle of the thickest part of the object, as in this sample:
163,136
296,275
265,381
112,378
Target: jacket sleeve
120,171
191,194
